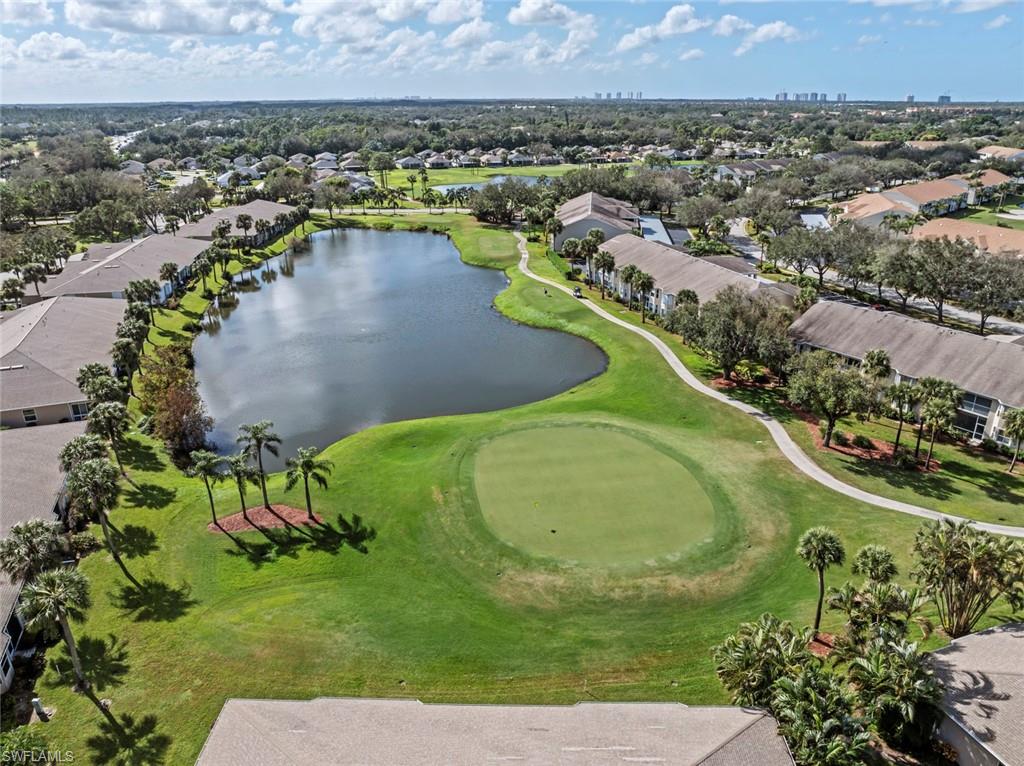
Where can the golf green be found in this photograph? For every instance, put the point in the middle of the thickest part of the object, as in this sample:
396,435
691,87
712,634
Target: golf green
592,496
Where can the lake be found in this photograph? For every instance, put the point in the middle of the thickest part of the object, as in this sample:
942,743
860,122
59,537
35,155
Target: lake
372,327
445,188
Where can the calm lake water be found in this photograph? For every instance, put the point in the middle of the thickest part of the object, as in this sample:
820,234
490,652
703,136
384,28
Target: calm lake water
445,188
372,327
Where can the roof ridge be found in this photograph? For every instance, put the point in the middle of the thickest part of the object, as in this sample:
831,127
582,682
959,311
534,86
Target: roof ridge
760,717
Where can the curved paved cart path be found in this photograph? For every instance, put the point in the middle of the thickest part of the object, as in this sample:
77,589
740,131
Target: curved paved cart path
789,448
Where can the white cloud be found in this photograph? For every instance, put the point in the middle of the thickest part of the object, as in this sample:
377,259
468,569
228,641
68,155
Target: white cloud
213,17
454,11
973,6
679,20
869,39
26,12
648,58
999,21
581,30
472,32
51,46
542,12
691,55
775,30
729,25
340,27
921,21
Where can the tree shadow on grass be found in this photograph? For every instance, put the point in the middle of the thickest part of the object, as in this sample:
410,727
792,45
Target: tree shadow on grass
149,496
933,485
153,600
104,662
355,533
134,541
995,483
140,456
127,741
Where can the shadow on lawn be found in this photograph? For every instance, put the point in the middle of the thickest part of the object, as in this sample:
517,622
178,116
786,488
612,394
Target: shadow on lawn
933,485
141,456
149,496
997,484
291,539
134,541
104,662
153,600
127,741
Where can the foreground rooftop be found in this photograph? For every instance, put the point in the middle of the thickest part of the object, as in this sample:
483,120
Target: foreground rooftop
377,732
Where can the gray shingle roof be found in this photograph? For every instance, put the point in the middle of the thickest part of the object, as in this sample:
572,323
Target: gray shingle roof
30,483
674,270
51,340
592,205
109,267
984,678
979,365
376,732
260,208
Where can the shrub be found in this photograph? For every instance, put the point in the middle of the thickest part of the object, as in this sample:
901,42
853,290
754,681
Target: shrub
83,543
841,439
192,326
863,442
440,230
418,227
383,225
905,460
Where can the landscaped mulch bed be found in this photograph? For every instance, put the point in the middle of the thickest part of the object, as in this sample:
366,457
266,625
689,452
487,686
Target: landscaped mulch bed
260,517
822,644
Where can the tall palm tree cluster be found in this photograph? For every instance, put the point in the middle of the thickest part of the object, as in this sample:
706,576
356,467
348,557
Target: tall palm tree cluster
600,266
834,695
246,467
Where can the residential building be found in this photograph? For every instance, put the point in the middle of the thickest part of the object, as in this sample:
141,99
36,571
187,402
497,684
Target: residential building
592,211
241,175
132,168
945,99
325,164
743,173
43,346
990,372
305,159
188,163
354,165
841,98
32,487
437,162
409,163
257,209
983,701
245,161
990,239
326,156
346,732
492,160
520,158
105,269
930,198
1001,153
674,271
985,185
160,164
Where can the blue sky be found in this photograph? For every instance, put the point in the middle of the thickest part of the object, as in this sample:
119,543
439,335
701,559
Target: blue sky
153,50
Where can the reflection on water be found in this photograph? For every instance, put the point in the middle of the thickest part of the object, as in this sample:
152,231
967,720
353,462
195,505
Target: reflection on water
370,327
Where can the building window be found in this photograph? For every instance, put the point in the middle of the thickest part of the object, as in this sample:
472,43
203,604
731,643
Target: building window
978,405
79,410
30,417
972,426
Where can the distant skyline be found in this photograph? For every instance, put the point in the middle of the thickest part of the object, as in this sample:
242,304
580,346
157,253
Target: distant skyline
216,50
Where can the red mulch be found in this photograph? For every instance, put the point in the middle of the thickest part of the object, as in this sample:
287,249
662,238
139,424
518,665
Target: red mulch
822,644
261,517
722,383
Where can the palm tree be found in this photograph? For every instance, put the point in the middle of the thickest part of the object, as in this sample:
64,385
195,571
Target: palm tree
255,438
203,267
205,465
30,547
928,390
169,273
172,223
51,601
553,228
12,291
111,421
604,263
34,273
643,283
125,356
94,484
244,222
820,548
902,397
80,449
1013,427
938,415
626,276
241,473
876,563
411,178
307,465
262,226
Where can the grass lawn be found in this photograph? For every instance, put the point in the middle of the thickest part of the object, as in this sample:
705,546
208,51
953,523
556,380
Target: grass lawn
593,513
986,214
413,588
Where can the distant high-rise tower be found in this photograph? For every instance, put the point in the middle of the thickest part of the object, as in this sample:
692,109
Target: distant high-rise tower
639,95
618,95
841,97
597,95
945,99
631,95
608,96
822,97
910,98
814,96
783,96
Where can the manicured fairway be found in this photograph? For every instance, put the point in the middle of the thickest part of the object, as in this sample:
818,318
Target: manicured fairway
590,495
406,591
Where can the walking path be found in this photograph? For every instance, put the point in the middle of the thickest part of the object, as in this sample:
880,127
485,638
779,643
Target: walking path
789,448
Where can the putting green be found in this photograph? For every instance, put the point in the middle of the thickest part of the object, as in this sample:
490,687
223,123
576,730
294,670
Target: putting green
590,495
